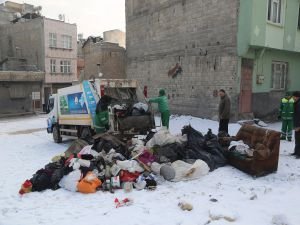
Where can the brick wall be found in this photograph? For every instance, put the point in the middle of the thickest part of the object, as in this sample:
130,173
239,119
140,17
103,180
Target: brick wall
200,35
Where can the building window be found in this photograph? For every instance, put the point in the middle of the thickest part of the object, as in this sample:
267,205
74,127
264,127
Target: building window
279,75
67,41
299,19
275,11
52,65
65,67
52,40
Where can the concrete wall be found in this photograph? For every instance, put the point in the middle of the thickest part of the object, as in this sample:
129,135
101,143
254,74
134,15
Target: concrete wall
5,15
256,30
200,35
16,91
24,40
115,36
59,53
262,92
111,58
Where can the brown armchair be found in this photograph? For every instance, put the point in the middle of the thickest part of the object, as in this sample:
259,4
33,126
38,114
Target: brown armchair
266,144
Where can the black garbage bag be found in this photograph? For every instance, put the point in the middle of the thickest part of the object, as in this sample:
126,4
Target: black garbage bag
56,170
195,139
202,147
191,153
213,147
106,142
168,153
41,180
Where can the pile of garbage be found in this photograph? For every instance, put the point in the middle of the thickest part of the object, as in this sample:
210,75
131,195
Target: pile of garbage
111,163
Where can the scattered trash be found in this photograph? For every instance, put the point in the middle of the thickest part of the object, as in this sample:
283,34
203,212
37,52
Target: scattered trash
253,197
112,162
185,206
115,182
26,187
228,216
280,220
127,186
213,200
124,202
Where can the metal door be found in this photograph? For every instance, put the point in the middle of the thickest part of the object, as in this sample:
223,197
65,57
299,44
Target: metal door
246,86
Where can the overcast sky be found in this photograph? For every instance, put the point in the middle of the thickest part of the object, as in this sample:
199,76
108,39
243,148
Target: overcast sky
91,16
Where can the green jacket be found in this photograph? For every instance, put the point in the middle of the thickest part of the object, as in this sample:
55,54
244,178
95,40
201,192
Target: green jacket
287,108
162,101
101,121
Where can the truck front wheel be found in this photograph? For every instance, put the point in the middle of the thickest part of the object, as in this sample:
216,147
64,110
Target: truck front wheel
56,135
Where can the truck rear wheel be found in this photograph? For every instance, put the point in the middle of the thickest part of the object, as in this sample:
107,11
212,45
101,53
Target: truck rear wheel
56,135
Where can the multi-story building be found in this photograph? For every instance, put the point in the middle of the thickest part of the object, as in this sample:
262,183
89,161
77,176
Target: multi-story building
269,53
46,44
250,48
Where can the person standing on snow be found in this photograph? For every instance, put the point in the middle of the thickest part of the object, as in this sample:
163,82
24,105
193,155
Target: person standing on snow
286,114
163,107
296,96
224,111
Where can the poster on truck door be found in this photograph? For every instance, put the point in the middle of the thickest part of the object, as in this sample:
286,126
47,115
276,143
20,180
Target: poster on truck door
73,104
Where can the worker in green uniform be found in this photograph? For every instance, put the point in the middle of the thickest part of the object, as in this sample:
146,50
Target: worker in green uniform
163,107
102,117
286,114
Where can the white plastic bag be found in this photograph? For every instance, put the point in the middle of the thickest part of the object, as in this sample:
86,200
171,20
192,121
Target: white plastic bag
130,165
185,171
70,181
163,137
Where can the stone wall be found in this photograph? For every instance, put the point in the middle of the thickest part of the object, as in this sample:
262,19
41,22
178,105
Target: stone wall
111,58
199,35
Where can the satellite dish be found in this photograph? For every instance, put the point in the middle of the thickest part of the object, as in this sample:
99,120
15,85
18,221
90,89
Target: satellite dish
17,15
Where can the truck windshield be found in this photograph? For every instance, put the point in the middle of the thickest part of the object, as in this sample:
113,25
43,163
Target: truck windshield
50,104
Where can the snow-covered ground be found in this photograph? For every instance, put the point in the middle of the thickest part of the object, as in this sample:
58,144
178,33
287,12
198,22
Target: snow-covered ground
25,148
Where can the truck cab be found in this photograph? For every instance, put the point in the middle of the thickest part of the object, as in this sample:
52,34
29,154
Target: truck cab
74,111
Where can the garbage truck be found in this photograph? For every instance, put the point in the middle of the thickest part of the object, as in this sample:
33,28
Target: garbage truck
117,106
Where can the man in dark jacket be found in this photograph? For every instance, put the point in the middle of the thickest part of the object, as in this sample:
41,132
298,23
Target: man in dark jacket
224,111
296,96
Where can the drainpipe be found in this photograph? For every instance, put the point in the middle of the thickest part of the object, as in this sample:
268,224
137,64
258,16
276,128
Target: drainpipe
262,53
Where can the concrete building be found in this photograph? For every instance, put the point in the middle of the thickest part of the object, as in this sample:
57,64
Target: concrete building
20,91
107,59
46,44
12,10
115,36
193,48
80,59
269,53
